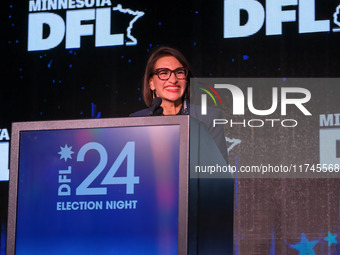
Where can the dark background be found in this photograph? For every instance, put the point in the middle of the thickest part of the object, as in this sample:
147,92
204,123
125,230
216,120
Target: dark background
106,82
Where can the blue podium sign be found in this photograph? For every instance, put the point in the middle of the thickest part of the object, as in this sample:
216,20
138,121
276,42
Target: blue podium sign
88,188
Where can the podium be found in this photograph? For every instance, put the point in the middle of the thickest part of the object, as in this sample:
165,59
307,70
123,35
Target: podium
110,186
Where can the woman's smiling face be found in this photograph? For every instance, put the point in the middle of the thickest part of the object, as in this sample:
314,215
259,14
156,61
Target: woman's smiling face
172,89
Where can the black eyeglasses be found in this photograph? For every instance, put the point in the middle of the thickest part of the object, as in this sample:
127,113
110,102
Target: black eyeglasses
165,73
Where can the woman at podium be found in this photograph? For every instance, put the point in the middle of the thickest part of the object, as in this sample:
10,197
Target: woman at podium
166,91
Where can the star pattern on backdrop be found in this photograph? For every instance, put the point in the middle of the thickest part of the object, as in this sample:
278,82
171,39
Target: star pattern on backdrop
305,247
331,239
65,152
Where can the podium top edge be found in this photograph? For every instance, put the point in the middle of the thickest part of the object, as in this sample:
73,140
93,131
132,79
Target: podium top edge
101,123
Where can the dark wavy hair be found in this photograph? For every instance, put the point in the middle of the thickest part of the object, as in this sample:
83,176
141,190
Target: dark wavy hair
150,66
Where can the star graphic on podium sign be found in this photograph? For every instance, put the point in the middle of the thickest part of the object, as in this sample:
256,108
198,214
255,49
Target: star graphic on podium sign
305,247
65,152
331,239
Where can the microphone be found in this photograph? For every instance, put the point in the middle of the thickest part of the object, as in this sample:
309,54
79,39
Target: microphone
156,108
